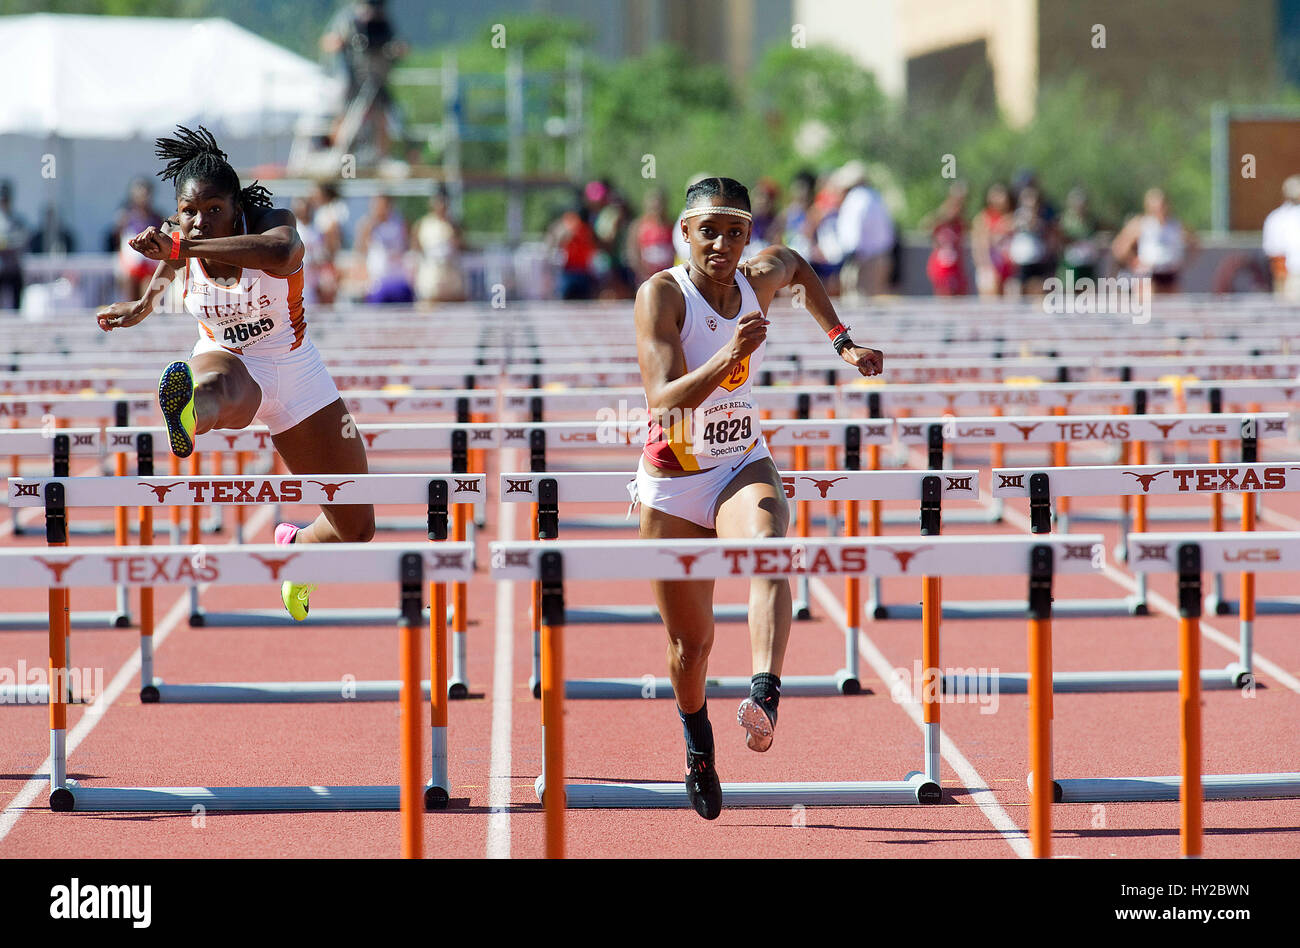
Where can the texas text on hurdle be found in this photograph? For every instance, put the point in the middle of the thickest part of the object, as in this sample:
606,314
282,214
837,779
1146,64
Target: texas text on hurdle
547,491
1188,555
409,565
551,562
1041,485
439,494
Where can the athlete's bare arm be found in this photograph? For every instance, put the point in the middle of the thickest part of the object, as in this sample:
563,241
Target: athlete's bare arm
775,267
121,315
660,312
272,246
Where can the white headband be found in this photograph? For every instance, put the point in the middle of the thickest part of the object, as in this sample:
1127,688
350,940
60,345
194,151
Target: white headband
709,209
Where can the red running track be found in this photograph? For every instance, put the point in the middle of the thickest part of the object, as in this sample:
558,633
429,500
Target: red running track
870,736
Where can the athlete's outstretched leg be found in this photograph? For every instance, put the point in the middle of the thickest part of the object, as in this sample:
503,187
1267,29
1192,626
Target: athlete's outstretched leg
328,443
212,390
687,610
753,506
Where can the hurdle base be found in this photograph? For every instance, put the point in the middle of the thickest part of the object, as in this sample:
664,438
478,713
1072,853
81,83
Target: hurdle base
26,695
619,615
721,687
74,797
1277,786
277,692
915,789
436,798
40,621
278,618
457,690
1015,609
1233,676
1272,606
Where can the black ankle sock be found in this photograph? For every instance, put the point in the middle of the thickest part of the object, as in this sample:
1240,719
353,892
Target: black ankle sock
765,689
699,733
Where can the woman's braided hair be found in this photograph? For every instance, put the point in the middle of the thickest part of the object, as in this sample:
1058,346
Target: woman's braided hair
196,155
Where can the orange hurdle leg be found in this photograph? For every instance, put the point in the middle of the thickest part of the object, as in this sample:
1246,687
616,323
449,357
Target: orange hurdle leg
1040,736
1189,697
412,799
458,688
553,737
804,515
439,793
932,673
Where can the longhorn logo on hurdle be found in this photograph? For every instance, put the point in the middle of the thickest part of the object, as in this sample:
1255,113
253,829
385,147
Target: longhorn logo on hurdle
1165,428
1025,430
686,559
231,440
331,489
274,565
370,437
391,403
160,490
57,569
469,486
1146,480
518,487
959,483
824,486
905,557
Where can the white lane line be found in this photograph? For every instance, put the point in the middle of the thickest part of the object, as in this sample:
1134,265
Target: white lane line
1230,643
124,677
977,786
498,831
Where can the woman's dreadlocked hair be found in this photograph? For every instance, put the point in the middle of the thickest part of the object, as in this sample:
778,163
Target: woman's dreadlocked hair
195,154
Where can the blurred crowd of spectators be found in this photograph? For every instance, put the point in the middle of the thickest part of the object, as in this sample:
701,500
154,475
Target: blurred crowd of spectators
602,247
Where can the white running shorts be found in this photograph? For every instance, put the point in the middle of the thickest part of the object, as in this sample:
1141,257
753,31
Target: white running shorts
295,385
695,496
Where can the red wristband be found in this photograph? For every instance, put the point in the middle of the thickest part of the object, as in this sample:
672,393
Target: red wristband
176,245
838,330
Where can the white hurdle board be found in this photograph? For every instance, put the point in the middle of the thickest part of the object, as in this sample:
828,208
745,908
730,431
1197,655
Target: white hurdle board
1264,552
69,567
1111,429
167,492
1171,480
573,488
872,556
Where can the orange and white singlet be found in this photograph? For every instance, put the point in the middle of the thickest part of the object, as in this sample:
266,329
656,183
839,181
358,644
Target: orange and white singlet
725,427
261,314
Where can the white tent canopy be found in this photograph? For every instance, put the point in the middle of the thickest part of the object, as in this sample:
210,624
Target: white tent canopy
122,77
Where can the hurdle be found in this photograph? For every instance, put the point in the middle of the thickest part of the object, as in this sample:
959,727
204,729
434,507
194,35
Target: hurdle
1161,480
936,433
547,491
1188,555
437,493
553,562
535,438
410,567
